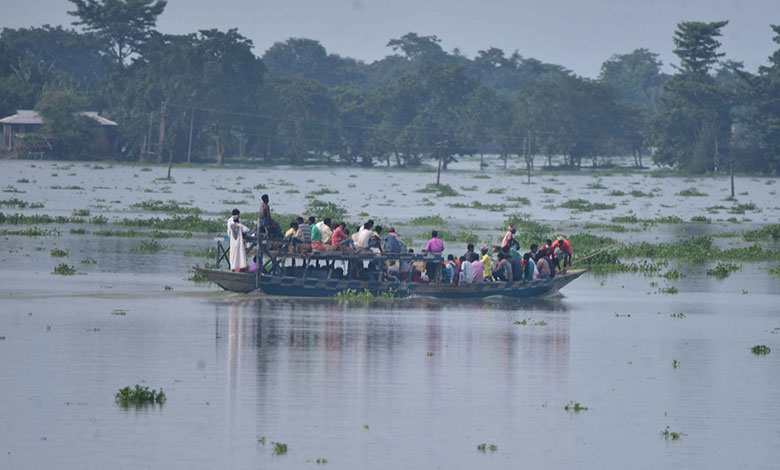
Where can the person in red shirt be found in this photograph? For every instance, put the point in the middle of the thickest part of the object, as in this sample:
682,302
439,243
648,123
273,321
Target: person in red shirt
338,235
562,250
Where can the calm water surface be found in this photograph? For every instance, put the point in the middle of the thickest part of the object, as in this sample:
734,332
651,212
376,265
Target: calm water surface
412,384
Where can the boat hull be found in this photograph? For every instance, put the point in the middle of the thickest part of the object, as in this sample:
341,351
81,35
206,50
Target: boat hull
297,287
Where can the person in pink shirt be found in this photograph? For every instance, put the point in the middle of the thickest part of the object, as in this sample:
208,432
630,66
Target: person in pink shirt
434,245
509,238
479,270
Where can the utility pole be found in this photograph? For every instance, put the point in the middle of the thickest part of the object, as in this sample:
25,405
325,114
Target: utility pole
148,146
163,108
441,145
731,170
189,145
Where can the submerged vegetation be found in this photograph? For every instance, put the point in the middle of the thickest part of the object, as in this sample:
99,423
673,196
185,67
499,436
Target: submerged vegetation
63,269
362,296
723,270
760,349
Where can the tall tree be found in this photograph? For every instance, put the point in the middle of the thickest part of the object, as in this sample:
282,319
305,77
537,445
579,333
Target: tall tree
696,45
636,77
124,25
70,134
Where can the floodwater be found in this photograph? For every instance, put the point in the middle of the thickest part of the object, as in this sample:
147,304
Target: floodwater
416,383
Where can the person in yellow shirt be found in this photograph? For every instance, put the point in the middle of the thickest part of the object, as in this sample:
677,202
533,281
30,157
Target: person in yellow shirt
487,263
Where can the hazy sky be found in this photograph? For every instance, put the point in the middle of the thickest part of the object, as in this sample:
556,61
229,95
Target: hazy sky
578,34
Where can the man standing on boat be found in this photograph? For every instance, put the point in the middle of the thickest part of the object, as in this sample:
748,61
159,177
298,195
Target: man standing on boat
236,231
272,228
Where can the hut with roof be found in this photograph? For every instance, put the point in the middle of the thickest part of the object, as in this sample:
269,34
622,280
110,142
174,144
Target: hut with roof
26,122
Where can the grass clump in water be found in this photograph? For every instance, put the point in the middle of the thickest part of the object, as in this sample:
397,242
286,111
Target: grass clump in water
760,349
20,204
583,205
701,219
485,447
692,192
323,209
57,253
741,208
670,435
605,227
280,448
441,190
479,205
148,246
765,233
361,296
723,270
169,207
64,270
435,220
139,395
575,407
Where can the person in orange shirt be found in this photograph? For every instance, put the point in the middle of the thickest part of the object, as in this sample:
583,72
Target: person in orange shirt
561,248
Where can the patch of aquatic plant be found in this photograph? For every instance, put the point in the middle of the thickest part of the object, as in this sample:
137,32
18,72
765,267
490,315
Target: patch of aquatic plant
668,290
523,201
479,206
71,187
136,234
64,270
440,190
361,296
88,261
496,190
550,191
21,219
691,192
768,232
77,231
461,237
11,189
322,209
604,227
280,448
675,363
119,312
208,253
575,407
742,208
723,270
670,435
775,271
616,193
482,176
428,220
229,202
485,447
321,461
31,232
57,253
701,219
20,204
585,206
166,206
81,212
468,188
672,274
760,349
147,246
22,180
677,315
139,395
596,185
633,219
638,193
189,223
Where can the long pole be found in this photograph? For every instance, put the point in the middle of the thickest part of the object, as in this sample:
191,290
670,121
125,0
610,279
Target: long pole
148,138
189,146
163,107
731,170
441,144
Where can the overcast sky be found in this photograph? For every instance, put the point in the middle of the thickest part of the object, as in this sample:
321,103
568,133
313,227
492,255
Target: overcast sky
578,34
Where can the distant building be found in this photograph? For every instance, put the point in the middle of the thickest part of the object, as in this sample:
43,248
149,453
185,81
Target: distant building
27,121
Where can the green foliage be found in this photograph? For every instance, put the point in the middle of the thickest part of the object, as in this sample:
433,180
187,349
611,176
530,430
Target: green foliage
428,220
484,447
575,407
723,270
362,296
189,223
139,395
582,205
64,270
760,349
604,227
440,190
147,246
171,207
280,448
670,434
323,209
72,135
57,253
691,192
479,206
18,203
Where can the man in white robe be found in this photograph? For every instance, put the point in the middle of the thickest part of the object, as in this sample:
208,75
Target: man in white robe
236,231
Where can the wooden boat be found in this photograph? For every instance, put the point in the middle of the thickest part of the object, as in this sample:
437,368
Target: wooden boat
314,277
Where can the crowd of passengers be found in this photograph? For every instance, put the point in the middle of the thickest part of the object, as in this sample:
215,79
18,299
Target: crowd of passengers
507,265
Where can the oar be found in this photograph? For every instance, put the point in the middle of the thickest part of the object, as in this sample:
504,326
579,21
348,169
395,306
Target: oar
596,253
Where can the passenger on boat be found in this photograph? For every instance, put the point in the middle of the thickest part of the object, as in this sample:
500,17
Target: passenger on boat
544,265
562,252
469,254
339,236
547,247
406,267
479,271
504,271
294,232
466,272
517,268
348,241
236,231
393,271
266,221
364,235
534,249
375,241
325,230
392,242
434,246
509,237
454,268
487,263
529,268
305,229
316,239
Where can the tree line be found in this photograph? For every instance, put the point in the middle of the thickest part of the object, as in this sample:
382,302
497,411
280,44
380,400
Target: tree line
297,102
